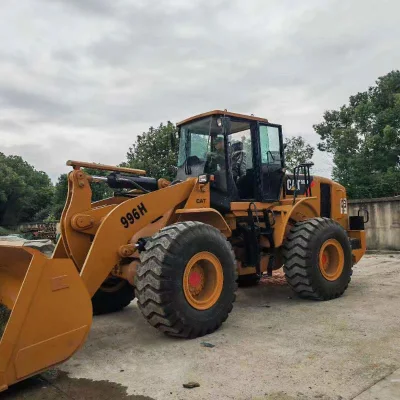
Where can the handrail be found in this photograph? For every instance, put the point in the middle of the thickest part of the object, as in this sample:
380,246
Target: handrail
103,167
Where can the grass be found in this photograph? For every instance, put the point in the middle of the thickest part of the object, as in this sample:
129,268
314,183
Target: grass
4,231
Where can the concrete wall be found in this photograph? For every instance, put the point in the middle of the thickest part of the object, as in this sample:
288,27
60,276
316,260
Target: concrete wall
383,228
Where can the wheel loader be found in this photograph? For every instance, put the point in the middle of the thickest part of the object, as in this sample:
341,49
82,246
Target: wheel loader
232,214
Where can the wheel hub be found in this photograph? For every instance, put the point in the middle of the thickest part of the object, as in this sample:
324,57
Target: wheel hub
331,260
196,280
203,280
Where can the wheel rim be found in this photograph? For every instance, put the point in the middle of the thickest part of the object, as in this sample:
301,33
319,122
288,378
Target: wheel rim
203,280
331,260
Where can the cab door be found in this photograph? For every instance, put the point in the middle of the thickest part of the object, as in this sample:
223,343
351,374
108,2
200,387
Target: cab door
271,161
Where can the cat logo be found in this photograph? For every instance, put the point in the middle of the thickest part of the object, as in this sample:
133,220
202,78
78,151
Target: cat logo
200,201
298,185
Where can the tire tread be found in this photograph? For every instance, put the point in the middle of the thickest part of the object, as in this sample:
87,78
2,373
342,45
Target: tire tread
297,253
154,288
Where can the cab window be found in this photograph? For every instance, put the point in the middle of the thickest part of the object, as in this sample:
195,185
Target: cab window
192,144
241,141
270,145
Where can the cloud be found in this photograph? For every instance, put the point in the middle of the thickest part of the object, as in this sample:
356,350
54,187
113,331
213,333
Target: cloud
91,8
15,98
80,79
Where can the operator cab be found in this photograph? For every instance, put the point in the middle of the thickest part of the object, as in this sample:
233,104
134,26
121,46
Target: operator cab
244,153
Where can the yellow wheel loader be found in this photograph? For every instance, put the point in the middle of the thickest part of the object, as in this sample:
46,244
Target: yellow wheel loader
231,215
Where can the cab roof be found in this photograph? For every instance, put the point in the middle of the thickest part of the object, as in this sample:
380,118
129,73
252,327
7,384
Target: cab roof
220,112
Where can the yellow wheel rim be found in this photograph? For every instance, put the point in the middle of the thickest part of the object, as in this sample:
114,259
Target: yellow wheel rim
331,260
203,280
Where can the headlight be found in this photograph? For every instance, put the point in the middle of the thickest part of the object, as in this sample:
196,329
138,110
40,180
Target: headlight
203,178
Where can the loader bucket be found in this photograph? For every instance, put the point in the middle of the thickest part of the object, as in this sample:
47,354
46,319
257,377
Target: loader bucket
45,312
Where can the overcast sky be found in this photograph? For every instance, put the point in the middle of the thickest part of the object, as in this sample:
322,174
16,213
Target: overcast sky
79,79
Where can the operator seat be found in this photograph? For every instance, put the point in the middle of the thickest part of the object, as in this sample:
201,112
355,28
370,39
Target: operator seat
238,161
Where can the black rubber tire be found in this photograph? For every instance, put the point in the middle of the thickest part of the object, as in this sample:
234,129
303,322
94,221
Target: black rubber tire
301,259
104,302
159,279
248,280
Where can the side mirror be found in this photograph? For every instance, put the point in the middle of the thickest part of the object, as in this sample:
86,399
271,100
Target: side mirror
284,146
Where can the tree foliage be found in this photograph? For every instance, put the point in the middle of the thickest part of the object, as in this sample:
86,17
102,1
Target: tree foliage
25,193
154,152
364,138
297,151
60,195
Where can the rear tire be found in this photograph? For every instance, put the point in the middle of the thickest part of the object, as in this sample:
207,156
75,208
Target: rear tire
166,268
113,295
317,259
248,280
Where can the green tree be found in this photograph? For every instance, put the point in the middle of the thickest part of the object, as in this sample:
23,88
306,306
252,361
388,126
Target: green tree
154,152
60,195
297,151
25,193
364,139
99,191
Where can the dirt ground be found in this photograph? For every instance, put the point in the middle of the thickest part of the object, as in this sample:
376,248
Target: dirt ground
273,346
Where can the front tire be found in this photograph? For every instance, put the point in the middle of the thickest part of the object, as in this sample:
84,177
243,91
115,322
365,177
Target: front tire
113,295
317,259
186,281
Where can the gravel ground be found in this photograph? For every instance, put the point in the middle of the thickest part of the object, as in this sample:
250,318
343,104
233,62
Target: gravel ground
273,346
